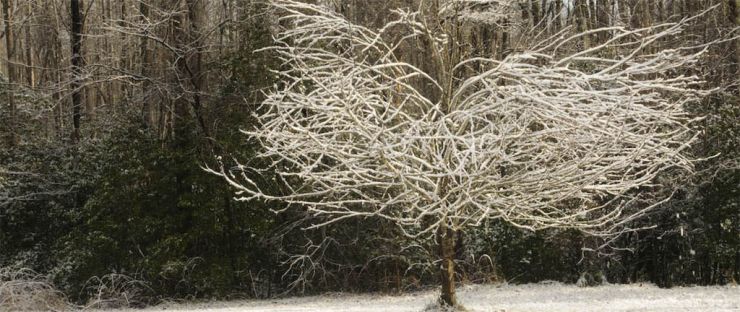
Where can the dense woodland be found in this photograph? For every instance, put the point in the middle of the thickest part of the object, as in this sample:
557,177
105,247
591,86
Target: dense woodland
111,111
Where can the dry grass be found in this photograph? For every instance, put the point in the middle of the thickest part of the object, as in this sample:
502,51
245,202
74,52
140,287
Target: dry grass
26,290
114,291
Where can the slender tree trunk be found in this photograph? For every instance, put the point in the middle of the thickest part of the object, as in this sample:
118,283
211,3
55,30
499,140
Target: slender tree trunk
144,61
178,107
194,65
11,71
504,42
55,74
77,63
30,71
534,11
121,91
187,39
446,241
581,15
736,18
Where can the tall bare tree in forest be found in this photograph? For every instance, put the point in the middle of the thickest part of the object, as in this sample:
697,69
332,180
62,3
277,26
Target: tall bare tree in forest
187,46
144,64
536,139
9,53
735,5
29,47
194,59
77,64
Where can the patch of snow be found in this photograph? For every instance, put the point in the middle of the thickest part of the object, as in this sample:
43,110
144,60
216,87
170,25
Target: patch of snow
502,298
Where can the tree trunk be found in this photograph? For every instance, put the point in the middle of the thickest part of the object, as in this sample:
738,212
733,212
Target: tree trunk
76,41
582,18
145,63
446,241
736,15
30,71
122,91
197,16
11,71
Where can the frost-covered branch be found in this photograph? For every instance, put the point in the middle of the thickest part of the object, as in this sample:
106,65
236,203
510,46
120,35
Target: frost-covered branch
542,139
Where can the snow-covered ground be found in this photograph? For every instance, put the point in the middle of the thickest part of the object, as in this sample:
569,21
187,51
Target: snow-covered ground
532,297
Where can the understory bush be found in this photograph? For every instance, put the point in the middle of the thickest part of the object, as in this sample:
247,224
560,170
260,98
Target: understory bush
26,290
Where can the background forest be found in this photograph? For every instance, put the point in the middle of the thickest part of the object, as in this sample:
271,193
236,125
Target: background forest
110,110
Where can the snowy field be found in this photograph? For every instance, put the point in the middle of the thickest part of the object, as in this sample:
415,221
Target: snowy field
499,298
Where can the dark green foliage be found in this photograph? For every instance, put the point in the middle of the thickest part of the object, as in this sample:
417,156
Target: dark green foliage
38,201
137,208
248,67
521,256
41,187
695,237
356,255
155,215
720,241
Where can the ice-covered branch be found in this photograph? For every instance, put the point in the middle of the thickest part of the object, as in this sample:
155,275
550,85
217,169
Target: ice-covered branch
544,138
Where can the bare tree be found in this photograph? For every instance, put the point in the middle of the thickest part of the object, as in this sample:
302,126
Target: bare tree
547,138
9,52
735,6
77,63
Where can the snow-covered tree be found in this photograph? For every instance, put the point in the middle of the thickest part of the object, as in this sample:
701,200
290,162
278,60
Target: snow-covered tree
545,138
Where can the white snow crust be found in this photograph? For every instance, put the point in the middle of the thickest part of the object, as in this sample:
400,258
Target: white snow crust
501,298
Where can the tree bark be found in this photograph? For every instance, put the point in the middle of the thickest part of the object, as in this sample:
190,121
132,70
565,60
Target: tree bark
194,65
736,17
146,109
30,71
582,18
446,241
77,63
188,60
11,71
122,89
